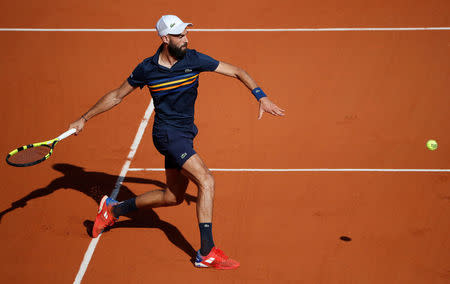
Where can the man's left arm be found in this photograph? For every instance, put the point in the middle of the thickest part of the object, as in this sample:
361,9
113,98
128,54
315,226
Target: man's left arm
265,105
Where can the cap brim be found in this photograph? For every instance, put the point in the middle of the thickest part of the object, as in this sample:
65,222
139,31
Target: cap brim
179,29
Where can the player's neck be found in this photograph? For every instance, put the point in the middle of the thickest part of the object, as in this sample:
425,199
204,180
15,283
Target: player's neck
165,59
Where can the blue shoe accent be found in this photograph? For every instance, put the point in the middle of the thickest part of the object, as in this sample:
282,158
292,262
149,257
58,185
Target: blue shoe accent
109,200
199,257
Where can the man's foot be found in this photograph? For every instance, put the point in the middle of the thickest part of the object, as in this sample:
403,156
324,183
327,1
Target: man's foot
215,259
105,217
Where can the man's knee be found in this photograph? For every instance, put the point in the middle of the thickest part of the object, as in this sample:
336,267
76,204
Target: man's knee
196,170
171,199
207,182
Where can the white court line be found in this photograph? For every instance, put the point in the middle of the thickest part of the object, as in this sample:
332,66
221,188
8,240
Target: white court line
308,170
233,30
126,166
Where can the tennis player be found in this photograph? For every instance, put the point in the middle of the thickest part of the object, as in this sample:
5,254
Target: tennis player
172,75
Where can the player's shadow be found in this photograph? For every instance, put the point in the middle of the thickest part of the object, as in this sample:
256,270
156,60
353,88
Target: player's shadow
96,185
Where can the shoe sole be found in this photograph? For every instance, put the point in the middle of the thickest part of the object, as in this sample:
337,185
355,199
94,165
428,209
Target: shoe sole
201,265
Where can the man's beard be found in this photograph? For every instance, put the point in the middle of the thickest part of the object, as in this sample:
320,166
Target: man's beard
177,52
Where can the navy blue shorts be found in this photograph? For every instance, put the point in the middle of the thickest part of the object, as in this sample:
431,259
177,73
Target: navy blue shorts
177,146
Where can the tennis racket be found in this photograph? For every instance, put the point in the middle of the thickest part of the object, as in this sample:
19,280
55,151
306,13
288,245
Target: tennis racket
33,154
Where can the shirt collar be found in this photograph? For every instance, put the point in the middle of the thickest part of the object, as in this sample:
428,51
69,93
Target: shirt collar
156,56
158,52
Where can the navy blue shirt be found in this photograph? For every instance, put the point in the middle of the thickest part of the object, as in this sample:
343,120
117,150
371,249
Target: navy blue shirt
174,90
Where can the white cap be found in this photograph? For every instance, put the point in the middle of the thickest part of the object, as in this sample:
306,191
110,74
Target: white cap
170,24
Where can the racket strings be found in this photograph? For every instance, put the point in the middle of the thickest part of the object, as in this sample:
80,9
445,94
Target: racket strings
30,155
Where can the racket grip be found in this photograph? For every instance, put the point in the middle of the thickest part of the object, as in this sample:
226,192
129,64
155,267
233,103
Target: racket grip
66,134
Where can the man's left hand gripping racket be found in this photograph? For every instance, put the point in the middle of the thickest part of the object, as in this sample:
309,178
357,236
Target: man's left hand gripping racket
30,155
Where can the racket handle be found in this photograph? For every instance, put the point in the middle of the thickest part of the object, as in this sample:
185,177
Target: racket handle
66,134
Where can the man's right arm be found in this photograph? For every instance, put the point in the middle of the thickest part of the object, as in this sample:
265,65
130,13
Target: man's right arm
107,102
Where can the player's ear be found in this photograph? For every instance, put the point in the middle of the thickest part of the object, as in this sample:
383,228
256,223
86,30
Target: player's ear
165,39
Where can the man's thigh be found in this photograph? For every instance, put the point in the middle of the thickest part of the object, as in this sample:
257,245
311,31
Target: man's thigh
195,169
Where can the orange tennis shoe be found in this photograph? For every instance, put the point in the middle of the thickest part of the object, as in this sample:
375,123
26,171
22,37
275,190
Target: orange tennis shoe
215,259
105,217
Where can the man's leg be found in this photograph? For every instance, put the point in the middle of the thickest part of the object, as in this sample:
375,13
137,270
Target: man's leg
172,195
208,255
197,171
110,210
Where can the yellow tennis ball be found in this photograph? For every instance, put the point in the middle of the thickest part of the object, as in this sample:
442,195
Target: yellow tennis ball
432,144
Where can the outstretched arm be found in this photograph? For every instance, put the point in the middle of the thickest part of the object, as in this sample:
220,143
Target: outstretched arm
107,102
265,105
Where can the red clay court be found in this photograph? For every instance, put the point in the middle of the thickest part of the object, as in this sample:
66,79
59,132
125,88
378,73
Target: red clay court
348,159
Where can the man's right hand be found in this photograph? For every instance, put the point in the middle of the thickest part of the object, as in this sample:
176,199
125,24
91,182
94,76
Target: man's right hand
78,125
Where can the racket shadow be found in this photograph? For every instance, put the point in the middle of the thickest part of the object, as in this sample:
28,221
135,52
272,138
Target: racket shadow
97,184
